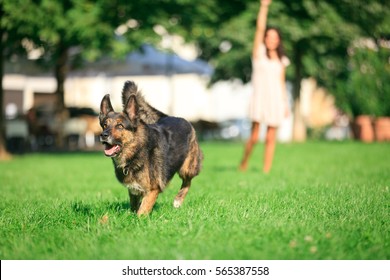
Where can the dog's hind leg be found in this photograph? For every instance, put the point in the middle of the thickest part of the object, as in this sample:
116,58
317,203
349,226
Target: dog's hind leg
182,193
190,168
148,202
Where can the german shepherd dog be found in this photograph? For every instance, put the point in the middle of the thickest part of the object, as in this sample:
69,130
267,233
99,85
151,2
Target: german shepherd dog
147,148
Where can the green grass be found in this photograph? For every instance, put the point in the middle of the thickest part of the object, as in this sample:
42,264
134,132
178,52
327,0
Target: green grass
320,201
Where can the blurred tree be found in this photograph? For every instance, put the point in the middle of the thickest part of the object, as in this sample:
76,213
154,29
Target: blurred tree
367,91
62,30
3,151
69,32
316,33
316,36
364,88
10,39
223,32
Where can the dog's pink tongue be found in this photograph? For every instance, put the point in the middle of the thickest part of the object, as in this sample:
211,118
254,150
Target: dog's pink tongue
109,150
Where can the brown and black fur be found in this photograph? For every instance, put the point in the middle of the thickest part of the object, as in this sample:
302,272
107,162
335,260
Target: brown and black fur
147,148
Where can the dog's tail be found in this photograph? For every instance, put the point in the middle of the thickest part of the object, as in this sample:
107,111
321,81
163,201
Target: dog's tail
147,113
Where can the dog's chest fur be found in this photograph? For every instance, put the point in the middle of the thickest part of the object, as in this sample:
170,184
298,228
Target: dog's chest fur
129,180
135,188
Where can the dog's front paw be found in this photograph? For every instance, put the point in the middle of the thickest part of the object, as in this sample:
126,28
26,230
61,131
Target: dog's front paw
177,203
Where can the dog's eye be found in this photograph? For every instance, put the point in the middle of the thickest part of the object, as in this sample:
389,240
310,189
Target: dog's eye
120,126
104,126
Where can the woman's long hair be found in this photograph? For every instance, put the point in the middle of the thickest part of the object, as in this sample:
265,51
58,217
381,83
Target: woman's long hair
279,49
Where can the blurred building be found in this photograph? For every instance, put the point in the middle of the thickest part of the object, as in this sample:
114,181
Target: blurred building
170,83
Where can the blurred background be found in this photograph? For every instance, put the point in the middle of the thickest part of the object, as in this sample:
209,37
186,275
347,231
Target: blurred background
190,59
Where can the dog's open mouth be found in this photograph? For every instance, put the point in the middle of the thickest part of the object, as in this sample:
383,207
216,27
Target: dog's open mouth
111,150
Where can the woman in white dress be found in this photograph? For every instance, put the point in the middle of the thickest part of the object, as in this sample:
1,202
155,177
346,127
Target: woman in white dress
269,103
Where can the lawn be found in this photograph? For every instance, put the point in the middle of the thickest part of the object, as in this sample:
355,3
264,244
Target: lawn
322,200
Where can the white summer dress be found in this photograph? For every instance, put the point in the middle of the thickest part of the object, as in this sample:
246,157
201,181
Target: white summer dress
268,101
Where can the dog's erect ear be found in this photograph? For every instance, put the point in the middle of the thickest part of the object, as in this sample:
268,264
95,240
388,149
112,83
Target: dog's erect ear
131,110
128,89
105,107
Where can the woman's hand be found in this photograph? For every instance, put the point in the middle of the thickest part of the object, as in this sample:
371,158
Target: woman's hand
266,2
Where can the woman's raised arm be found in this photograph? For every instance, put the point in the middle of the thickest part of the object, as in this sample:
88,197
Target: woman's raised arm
260,25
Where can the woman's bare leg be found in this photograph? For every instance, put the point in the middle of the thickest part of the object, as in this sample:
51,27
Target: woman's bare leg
249,145
269,150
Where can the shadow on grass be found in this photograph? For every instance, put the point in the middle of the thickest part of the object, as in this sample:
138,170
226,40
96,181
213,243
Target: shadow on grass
91,209
96,209
234,169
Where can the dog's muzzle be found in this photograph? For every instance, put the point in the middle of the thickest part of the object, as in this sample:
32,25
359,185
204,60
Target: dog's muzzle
111,149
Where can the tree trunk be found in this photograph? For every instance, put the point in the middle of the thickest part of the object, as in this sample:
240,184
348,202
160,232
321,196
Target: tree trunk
3,147
61,71
297,59
4,155
299,128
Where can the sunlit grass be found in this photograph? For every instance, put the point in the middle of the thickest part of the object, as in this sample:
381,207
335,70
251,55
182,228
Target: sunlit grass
320,201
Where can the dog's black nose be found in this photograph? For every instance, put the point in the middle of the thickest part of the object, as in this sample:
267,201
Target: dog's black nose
104,134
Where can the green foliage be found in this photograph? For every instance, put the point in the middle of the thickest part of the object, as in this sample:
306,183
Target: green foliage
367,91
320,201
55,25
310,30
316,34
